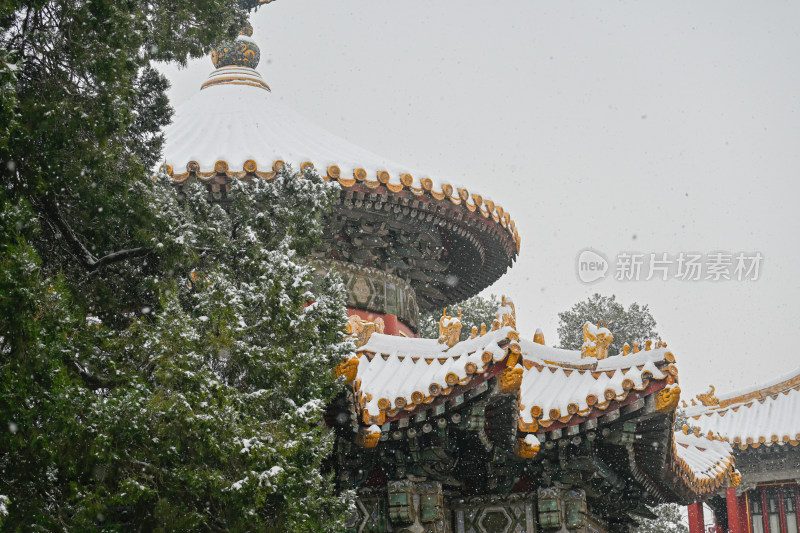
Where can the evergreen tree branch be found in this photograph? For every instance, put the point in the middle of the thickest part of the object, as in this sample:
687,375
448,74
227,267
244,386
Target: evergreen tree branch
93,381
89,261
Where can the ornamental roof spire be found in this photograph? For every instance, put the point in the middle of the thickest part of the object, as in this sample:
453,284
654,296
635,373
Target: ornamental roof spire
235,62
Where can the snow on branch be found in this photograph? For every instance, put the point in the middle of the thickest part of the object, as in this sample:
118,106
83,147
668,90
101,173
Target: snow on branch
86,258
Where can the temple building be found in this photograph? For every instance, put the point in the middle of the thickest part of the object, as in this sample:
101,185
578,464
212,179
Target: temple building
483,431
762,424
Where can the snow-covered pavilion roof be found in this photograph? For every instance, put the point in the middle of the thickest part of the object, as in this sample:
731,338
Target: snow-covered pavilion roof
766,414
236,126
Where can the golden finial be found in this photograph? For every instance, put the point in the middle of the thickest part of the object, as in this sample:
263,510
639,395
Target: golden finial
635,346
626,349
243,52
483,329
538,337
474,332
648,345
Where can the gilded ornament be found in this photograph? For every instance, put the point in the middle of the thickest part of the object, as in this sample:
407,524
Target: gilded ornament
241,52
362,329
510,379
525,450
708,399
449,328
507,313
596,340
667,399
347,368
368,437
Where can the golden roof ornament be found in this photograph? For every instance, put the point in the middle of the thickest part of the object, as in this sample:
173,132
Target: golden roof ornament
241,52
596,340
235,62
667,399
449,328
708,399
507,313
362,330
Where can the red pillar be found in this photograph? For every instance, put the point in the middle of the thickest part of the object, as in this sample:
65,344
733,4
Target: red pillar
744,517
696,523
734,524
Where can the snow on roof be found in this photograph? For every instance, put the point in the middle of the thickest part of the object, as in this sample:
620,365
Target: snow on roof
237,126
706,464
397,373
572,358
758,416
781,383
401,373
239,122
558,384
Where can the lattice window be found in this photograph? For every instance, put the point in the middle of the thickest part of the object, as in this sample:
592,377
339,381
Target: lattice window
773,509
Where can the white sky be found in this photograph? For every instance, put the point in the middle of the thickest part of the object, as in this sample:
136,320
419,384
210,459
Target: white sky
621,126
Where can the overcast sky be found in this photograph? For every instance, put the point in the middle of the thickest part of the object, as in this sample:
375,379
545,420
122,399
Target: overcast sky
620,126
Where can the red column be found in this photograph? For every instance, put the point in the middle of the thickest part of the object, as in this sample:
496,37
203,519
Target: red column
734,525
744,516
696,523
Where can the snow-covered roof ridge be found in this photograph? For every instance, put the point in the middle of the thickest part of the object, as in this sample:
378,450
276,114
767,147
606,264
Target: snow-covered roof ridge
705,464
772,419
773,387
397,374
236,128
393,376
559,385
548,355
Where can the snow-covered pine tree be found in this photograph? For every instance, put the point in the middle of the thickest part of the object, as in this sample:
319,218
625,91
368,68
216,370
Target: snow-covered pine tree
203,410
634,324
163,363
